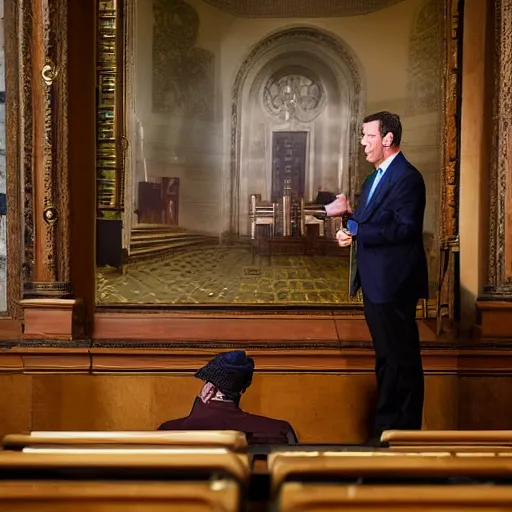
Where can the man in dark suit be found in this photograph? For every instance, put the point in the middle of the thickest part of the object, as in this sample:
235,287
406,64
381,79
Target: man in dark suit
391,269
226,377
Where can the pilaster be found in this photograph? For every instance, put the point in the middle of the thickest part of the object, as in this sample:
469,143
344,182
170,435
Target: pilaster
44,150
495,304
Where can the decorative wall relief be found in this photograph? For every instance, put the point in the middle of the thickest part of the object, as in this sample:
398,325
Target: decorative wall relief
425,68
448,225
3,207
300,8
500,224
26,143
183,75
42,145
293,96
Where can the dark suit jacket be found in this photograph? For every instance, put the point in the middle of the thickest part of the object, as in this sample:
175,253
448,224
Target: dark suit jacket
228,416
391,260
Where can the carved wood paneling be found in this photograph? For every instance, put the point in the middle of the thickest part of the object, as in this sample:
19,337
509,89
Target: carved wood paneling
25,134
43,146
449,189
500,228
13,82
448,225
470,359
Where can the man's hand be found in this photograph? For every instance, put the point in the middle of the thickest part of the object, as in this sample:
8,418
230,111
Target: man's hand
344,238
340,206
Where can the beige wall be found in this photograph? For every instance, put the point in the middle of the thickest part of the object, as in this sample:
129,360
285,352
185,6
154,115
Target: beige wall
475,161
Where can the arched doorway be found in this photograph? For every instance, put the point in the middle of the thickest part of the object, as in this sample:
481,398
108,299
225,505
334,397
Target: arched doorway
297,80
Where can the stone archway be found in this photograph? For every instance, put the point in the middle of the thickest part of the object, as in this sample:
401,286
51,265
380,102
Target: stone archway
329,52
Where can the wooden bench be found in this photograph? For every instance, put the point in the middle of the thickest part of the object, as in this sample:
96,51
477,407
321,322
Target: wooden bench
232,440
411,498
390,468
480,441
46,496
393,481
214,479
451,437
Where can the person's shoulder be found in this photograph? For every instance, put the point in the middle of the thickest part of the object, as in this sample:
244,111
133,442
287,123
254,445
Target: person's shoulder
271,422
406,164
410,171
271,431
171,424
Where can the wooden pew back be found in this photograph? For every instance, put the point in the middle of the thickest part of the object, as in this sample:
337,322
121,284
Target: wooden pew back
390,468
188,480
411,498
167,462
44,496
469,438
390,481
232,440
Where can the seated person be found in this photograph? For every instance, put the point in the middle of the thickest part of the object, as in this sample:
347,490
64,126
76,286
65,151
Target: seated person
226,377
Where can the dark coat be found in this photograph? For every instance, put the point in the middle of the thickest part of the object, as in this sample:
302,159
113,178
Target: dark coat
216,415
391,260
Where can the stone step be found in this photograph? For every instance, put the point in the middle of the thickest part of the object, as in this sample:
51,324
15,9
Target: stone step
154,240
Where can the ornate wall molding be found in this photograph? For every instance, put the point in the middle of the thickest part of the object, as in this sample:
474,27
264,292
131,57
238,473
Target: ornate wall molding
500,223
294,95
270,47
183,74
14,83
448,224
300,8
25,131
425,66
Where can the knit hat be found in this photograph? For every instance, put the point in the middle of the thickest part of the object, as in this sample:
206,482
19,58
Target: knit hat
229,371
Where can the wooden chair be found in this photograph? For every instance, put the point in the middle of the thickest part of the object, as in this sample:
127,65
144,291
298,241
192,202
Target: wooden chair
212,480
351,498
232,440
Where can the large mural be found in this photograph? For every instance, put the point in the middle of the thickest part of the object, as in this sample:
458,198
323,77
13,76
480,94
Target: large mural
241,125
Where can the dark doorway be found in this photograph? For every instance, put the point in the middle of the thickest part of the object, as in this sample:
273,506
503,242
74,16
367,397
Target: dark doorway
288,165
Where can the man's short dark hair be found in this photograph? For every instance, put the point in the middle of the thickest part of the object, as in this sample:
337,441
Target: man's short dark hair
388,122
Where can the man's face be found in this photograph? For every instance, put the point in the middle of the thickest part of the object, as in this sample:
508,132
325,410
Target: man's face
372,142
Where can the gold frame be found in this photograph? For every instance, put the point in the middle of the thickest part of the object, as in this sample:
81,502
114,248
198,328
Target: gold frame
447,238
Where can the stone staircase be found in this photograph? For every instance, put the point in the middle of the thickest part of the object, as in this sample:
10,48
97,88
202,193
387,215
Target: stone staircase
154,240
